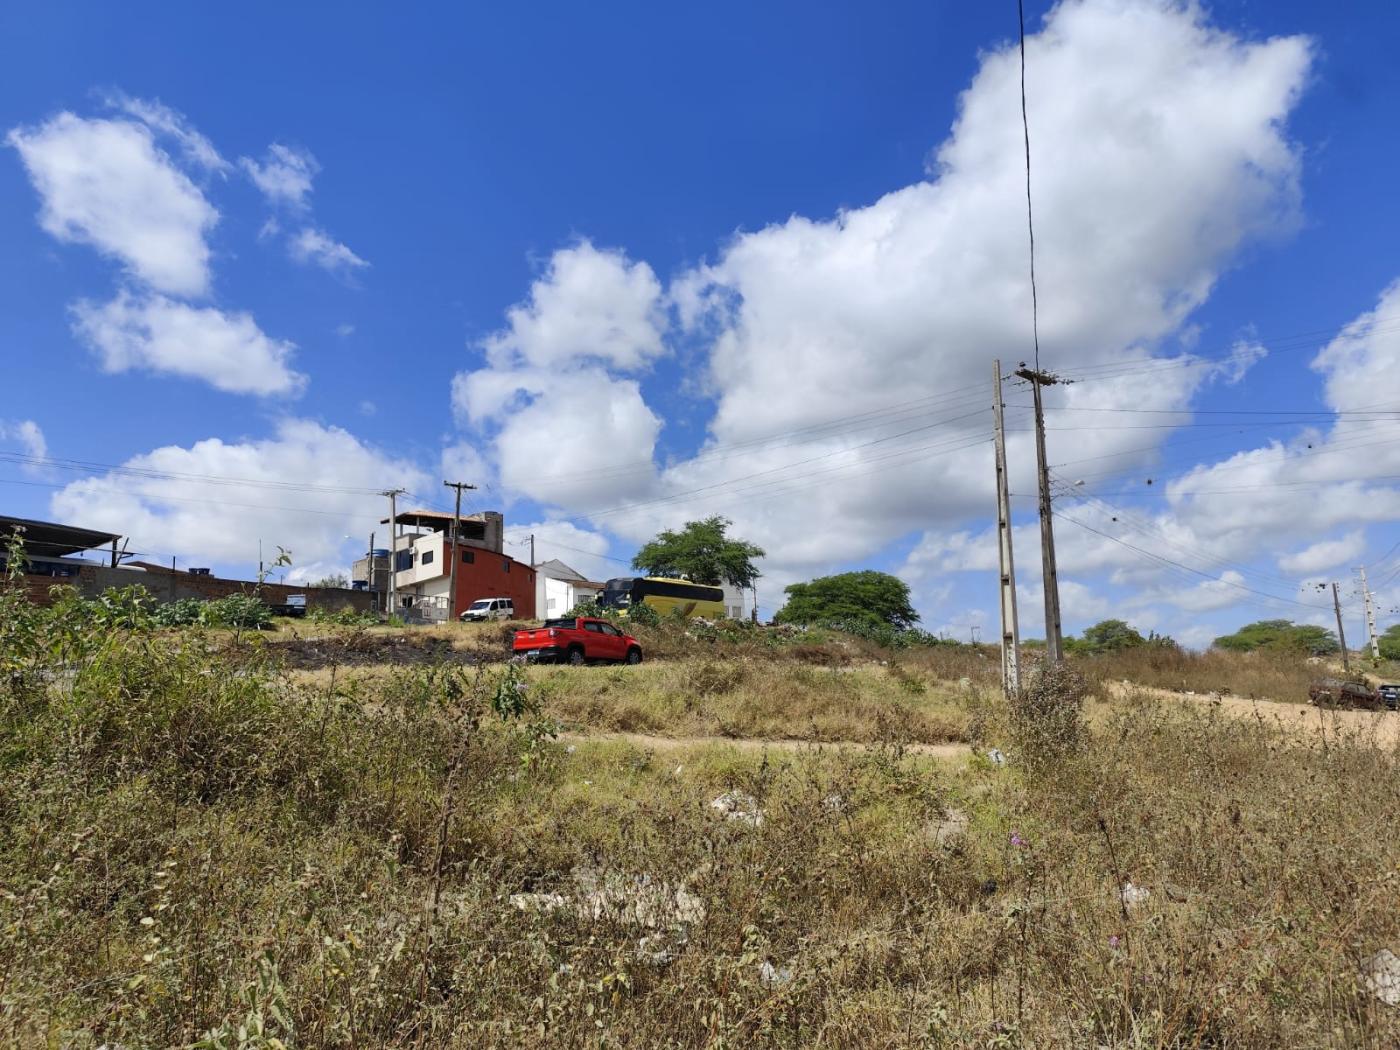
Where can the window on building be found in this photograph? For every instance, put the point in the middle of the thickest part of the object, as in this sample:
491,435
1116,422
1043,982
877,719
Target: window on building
468,557
505,564
427,557
403,560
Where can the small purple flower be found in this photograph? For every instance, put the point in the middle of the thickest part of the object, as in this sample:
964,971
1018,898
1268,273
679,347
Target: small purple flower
1113,941
1016,839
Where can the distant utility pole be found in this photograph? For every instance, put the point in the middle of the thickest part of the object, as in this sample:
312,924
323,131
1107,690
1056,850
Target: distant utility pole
1054,646
1370,617
1010,630
972,633
532,550
393,495
456,528
1341,631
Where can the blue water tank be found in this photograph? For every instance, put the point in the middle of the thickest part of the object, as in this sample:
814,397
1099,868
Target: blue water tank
359,585
380,552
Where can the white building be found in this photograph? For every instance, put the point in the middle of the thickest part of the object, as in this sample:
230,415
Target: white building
559,588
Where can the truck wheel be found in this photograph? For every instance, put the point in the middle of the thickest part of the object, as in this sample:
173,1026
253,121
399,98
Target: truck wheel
576,657
634,655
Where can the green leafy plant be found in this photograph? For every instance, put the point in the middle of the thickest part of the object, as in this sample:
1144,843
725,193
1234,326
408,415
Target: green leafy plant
701,551
870,597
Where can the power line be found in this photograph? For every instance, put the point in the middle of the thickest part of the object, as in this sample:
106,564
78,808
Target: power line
1185,568
1030,220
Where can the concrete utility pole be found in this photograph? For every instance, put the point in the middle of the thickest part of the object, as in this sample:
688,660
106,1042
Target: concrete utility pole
393,495
1341,631
369,570
1010,630
532,550
1370,617
456,528
1054,646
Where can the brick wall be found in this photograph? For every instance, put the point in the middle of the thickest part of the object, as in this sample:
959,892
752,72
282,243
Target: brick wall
165,586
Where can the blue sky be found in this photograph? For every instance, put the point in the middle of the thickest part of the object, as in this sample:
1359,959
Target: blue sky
560,252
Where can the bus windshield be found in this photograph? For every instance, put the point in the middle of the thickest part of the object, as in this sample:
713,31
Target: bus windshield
617,593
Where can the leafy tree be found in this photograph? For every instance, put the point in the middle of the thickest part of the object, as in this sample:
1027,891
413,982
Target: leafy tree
335,579
1280,636
1107,636
868,597
1389,642
701,551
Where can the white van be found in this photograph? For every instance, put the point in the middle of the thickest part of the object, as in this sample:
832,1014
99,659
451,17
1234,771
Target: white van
489,609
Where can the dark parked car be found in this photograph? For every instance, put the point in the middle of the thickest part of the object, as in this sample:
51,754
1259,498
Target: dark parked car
1391,695
1334,692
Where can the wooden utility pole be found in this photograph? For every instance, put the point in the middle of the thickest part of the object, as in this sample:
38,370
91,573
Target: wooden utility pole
1054,647
1341,631
1370,617
456,528
1010,630
393,495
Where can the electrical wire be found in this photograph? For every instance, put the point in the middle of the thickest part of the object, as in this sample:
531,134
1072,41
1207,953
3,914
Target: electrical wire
1186,568
1030,219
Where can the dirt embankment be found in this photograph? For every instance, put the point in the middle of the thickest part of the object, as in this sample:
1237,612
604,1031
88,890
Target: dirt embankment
1382,726
369,649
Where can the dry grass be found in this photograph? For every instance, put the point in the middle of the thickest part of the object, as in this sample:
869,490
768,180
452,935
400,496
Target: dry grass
1260,675
190,845
749,697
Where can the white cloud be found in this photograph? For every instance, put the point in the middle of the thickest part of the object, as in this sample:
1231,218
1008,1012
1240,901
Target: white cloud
312,245
227,350
106,184
1160,151
344,330
284,176
316,494
590,304
538,415
1325,554
159,117
368,408
581,549
30,438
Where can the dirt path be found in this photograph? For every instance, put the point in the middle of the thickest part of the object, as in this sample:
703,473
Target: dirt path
673,743
1297,718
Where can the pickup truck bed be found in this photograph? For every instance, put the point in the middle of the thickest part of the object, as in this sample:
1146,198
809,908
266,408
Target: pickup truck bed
577,641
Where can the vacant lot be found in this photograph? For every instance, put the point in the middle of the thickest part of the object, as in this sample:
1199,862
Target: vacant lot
198,846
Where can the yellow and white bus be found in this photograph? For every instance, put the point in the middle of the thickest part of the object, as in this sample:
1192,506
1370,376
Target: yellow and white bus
664,595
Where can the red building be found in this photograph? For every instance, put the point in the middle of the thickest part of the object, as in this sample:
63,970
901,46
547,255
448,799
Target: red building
421,558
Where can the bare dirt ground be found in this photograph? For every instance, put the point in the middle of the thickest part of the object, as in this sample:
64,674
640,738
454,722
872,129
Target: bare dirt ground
675,743
1382,726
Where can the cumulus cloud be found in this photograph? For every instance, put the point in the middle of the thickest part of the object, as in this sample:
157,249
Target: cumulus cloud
105,183
1325,554
284,175
589,305
227,350
536,417
1161,151
564,366
581,549
26,434
157,116
311,245
309,488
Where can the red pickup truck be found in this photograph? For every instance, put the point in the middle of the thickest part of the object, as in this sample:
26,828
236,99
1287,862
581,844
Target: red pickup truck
577,641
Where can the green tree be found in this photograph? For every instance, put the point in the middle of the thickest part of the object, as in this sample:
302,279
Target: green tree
1107,636
1280,636
851,597
701,551
1389,642
335,579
